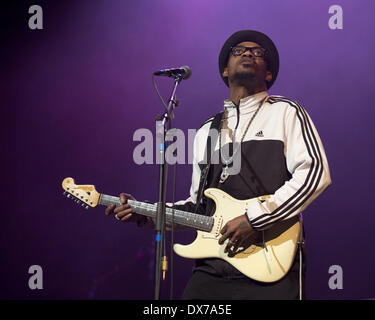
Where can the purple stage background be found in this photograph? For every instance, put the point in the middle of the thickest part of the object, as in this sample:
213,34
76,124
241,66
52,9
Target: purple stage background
73,94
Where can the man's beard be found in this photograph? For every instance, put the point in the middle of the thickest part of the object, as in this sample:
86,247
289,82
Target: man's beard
244,78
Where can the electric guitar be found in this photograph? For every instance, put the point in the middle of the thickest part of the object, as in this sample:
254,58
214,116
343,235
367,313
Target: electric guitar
268,259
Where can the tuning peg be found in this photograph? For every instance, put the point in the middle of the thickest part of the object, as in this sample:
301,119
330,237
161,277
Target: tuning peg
68,196
64,193
87,207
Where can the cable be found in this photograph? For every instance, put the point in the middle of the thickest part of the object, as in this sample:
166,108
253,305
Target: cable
175,102
164,222
160,97
172,231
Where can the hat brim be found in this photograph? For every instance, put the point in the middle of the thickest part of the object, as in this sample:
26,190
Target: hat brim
260,38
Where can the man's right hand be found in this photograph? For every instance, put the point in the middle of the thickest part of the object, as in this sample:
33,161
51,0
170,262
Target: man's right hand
124,213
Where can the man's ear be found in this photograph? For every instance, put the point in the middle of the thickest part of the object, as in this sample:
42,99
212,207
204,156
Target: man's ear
225,72
268,76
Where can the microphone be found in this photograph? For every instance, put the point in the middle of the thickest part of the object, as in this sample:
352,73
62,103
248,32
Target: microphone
184,72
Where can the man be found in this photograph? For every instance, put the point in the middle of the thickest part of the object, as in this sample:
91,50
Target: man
281,155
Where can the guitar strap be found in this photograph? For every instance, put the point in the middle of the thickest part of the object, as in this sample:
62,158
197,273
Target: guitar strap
215,124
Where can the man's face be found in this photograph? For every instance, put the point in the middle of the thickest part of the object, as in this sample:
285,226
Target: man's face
247,66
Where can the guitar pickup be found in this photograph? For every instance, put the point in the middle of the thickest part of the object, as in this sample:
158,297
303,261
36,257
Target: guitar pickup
208,235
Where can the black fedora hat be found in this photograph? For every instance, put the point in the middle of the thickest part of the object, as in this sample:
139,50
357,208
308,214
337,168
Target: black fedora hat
272,55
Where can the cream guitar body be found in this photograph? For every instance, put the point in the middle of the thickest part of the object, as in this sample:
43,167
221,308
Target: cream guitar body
267,261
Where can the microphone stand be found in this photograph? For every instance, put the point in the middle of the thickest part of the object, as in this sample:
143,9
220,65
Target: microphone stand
161,122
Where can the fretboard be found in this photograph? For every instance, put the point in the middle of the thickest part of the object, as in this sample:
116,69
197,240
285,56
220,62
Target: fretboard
188,219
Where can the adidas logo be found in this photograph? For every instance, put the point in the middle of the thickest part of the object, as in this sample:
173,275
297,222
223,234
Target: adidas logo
260,134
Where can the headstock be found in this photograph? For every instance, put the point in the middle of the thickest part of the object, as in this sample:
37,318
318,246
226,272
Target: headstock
85,194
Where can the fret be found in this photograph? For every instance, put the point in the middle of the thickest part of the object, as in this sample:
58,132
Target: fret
185,218
107,200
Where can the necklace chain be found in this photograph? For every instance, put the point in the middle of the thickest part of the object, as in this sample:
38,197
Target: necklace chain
230,160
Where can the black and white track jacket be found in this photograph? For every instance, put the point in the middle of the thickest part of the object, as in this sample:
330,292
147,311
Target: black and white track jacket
281,155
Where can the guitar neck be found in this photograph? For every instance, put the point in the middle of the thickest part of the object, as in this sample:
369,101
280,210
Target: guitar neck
184,218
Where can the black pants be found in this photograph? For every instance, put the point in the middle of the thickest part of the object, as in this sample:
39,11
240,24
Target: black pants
206,286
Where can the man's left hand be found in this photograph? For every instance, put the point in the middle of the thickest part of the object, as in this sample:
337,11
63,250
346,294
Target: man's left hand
239,232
